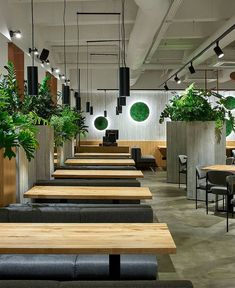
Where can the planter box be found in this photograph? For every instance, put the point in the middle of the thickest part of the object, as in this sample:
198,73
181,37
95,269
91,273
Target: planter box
7,180
45,153
198,141
68,149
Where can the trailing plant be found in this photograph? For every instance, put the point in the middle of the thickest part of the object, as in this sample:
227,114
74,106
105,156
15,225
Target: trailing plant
67,124
194,105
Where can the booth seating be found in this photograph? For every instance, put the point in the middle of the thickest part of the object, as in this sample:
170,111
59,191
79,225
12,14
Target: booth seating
95,284
83,167
143,162
74,267
90,182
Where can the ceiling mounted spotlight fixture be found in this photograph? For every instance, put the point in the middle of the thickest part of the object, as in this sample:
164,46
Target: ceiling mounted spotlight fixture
47,62
56,70
177,79
15,34
44,54
34,51
166,87
191,69
218,51
62,77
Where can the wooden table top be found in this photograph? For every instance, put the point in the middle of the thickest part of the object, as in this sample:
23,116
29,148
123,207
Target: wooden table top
87,192
100,162
230,168
97,174
230,147
73,238
161,147
103,155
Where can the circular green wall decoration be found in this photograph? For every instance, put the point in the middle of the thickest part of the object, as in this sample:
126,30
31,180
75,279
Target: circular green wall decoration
139,111
101,123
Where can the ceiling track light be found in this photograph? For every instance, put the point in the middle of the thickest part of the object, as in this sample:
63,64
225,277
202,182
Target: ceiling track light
218,51
15,34
191,69
34,51
177,79
166,87
47,62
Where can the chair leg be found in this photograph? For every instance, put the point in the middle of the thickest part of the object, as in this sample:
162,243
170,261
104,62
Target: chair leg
206,202
227,212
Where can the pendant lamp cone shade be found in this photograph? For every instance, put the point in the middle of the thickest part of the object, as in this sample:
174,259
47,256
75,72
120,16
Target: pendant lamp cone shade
88,107
91,110
105,113
32,76
65,95
124,81
78,101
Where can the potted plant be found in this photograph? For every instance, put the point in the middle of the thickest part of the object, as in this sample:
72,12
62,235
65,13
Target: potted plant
67,124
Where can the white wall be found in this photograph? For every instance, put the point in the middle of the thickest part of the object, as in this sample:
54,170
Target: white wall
3,53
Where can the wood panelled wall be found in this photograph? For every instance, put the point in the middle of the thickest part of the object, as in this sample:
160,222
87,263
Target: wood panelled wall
53,87
16,56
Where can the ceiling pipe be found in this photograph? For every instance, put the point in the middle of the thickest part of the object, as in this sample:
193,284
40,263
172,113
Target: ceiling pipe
209,53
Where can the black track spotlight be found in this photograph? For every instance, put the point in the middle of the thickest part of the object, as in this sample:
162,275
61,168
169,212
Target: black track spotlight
177,79
218,51
166,87
15,34
191,68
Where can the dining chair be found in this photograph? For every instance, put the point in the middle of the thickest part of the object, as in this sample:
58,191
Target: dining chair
229,160
200,180
182,162
218,179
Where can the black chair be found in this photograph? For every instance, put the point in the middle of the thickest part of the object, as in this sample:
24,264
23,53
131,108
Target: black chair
229,160
182,167
220,187
230,182
200,180
143,162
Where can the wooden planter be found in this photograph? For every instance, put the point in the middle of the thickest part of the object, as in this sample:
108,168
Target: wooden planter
199,142
7,180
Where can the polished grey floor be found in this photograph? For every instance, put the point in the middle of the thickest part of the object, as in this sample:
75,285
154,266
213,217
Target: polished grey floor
205,252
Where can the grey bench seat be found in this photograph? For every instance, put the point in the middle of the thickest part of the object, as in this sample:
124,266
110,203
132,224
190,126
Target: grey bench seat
74,267
76,213
90,182
95,284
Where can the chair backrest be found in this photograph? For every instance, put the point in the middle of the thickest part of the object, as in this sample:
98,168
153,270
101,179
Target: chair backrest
133,153
138,154
201,174
182,159
229,160
233,153
218,177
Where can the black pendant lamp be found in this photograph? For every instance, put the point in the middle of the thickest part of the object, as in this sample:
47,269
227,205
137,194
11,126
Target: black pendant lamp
124,72
117,112
122,101
91,110
88,105
32,71
65,87
77,101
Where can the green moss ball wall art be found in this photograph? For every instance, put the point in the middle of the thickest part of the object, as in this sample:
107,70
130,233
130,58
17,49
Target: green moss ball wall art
101,123
139,111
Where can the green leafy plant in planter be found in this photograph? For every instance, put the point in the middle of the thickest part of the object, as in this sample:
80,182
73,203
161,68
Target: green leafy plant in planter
194,105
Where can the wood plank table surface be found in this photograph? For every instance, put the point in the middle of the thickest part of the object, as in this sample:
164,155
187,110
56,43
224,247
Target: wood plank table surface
123,174
85,192
100,162
103,155
230,168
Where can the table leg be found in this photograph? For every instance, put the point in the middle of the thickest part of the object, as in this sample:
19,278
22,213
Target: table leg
116,201
114,267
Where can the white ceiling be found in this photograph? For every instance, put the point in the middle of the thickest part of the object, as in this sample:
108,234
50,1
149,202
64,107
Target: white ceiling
183,29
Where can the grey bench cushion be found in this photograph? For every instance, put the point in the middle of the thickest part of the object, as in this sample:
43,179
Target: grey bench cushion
74,267
76,213
90,182
95,284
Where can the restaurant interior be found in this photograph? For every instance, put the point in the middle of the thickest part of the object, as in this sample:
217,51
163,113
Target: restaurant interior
117,143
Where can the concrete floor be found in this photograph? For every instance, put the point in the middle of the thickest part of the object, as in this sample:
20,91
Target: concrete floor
205,252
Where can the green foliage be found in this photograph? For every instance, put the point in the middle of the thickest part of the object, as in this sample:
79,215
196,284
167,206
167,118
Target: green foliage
40,104
16,129
67,124
101,123
139,111
194,105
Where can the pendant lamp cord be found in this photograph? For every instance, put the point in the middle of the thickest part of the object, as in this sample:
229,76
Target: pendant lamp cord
105,100
33,44
91,78
87,72
123,34
64,14
78,71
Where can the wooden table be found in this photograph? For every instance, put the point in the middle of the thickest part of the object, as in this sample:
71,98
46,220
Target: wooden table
87,192
229,168
103,155
102,149
86,238
100,162
123,174
162,149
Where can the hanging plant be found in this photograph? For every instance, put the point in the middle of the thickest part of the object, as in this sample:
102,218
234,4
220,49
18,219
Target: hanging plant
194,105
